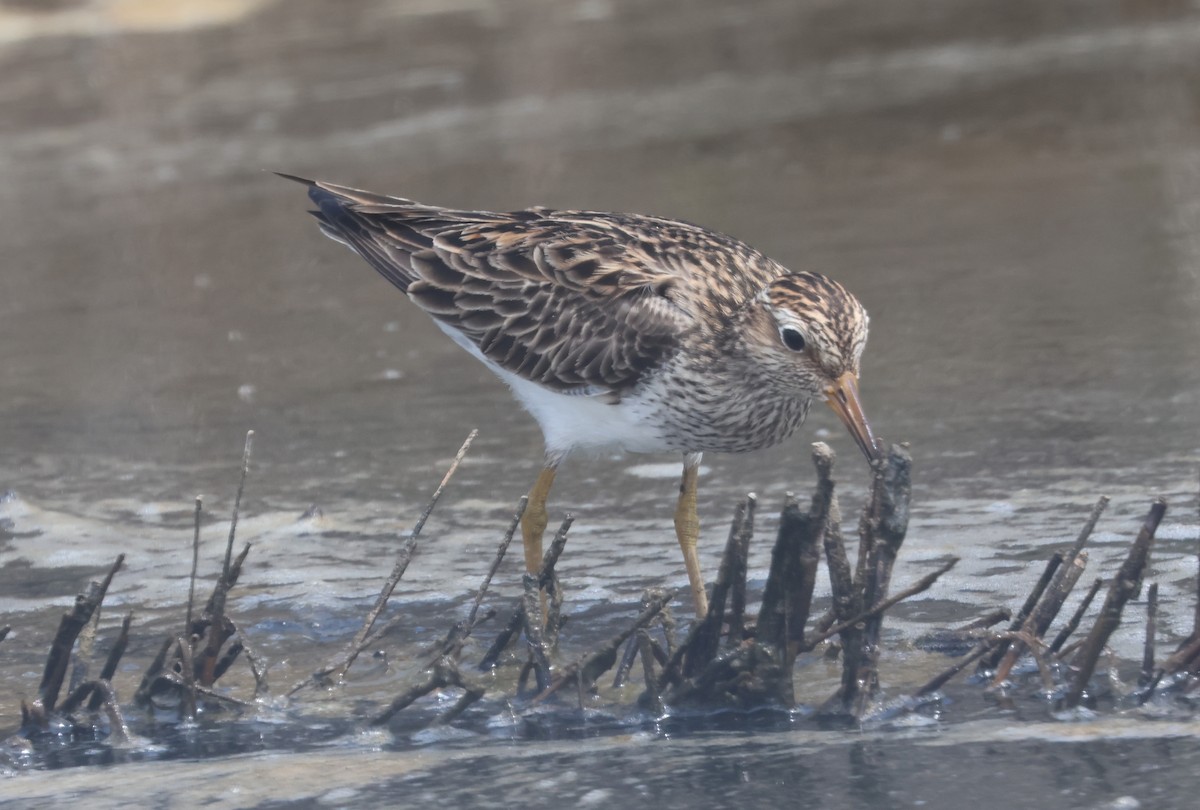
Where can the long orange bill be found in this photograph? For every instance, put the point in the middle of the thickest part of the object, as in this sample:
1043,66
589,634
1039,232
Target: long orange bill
842,396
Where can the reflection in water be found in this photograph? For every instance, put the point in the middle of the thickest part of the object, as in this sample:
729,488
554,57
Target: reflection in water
1010,188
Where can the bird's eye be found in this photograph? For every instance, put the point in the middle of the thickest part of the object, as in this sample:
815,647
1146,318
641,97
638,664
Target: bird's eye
792,338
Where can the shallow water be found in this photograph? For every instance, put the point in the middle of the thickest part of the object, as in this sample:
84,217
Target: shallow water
1012,188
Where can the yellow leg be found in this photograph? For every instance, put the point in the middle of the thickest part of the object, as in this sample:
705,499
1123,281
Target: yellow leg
687,530
533,522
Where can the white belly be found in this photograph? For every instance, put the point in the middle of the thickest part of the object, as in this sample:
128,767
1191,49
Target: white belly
577,421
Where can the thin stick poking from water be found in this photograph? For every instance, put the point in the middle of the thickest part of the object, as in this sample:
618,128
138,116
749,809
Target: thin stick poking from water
437,493
237,504
1125,586
1073,624
337,670
187,628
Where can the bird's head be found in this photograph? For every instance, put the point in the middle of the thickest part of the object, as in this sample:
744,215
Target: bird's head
809,333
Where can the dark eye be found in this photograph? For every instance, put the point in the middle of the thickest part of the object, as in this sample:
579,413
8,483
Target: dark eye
792,338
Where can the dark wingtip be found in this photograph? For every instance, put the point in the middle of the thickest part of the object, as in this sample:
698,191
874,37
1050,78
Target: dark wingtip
296,179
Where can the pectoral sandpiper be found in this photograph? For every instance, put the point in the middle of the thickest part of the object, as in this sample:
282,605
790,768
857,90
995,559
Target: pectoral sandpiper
620,330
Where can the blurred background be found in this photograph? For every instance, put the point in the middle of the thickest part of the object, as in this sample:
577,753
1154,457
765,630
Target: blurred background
1011,186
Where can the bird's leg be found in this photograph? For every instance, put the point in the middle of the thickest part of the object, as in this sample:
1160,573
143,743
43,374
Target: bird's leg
687,530
533,522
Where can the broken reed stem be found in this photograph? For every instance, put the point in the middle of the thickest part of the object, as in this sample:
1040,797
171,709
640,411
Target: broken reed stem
787,596
1147,674
706,638
187,627
219,608
114,657
69,628
1077,616
886,524
1089,526
736,618
1125,585
187,669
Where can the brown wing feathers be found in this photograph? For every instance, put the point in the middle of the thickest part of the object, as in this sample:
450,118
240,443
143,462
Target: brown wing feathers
554,298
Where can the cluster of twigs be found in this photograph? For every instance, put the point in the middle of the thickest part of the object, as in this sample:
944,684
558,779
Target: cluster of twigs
1066,669
187,666
730,658
755,664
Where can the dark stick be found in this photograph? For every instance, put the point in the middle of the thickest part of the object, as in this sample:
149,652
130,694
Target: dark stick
452,645
548,581
584,672
887,525
229,572
495,566
942,679
1182,659
219,607
441,675
441,487
987,620
633,646
187,668
1147,675
653,699
142,696
68,630
187,628
204,691
1088,526
114,659
787,596
706,639
531,615
1047,608
920,585
1077,617
737,575
629,655
1030,602
503,640
1125,585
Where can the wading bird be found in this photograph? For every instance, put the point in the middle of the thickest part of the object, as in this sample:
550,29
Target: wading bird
620,331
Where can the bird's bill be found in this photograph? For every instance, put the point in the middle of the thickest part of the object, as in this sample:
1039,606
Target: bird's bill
842,397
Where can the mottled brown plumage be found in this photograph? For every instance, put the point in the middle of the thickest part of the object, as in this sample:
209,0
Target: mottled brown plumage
623,330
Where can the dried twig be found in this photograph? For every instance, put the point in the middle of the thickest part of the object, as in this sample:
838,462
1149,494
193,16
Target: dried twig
1077,616
336,670
585,671
917,587
68,630
1030,603
1147,674
1125,585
